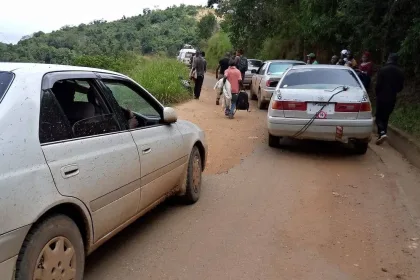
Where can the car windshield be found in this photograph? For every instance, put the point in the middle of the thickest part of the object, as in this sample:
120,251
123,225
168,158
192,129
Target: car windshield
279,67
255,63
314,78
6,79
188,55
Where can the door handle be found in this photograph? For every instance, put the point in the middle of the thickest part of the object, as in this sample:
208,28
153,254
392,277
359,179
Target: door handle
69,171
147,151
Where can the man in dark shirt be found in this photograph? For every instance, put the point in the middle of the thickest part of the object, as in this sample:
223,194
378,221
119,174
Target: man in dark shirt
220,71
390,81
199,67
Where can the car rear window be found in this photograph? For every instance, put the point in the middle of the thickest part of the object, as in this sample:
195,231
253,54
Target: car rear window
280,67
319,78
255,63
6,79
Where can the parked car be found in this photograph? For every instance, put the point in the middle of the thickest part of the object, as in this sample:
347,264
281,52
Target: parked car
253,64
185,55
266,79
322,102
77,166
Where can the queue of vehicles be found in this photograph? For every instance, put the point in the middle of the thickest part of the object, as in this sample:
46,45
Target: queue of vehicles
317,102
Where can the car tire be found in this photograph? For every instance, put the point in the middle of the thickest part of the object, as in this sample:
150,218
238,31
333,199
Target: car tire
273,141
260,104
193,180
360,147
43,239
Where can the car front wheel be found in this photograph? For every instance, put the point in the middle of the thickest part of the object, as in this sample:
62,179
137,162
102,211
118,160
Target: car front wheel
53,249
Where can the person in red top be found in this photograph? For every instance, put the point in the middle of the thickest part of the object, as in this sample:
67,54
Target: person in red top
366,70
234,76
367,66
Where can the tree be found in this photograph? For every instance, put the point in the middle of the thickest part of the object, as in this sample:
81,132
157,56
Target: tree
207,26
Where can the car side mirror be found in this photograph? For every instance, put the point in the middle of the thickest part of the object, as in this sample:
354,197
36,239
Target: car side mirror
253,71
169,115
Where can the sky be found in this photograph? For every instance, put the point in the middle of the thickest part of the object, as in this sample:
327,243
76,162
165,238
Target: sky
24,17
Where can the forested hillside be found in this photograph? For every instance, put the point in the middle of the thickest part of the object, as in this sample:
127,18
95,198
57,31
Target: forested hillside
152,32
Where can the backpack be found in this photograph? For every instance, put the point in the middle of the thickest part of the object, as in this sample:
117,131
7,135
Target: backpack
242,103
243,64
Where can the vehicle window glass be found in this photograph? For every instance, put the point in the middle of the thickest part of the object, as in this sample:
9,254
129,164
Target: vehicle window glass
254,63
53,124
262,69
6,79
319,78
127,98
83,108
278,67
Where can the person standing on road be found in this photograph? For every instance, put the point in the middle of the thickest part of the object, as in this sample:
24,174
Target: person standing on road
198,70
366,70
234,77
334,60
390,82
241,62
220,71
312,59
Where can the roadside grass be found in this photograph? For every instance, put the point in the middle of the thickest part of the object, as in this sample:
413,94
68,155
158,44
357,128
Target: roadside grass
157,74
407,118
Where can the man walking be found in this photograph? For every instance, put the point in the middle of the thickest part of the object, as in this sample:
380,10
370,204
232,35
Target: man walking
233,75
198,70
390,81
241,62
220,71
311,59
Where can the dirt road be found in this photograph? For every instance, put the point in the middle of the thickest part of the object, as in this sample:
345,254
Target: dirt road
307,211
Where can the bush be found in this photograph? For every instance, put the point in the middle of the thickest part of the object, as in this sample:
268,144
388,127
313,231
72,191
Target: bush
218,45
159,75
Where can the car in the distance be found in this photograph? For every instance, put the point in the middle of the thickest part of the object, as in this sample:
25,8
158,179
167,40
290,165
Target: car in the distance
84,153
253,66
266,78
321,102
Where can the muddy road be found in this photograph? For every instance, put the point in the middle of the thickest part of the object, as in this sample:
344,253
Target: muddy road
308,210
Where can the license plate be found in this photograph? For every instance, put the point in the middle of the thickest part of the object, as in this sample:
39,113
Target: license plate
314,108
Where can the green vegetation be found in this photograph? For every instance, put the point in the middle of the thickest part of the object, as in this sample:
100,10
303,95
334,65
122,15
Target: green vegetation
218,45
153,32
286,29
159,75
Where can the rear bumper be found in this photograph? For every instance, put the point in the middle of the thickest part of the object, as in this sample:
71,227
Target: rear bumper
321,129
266,94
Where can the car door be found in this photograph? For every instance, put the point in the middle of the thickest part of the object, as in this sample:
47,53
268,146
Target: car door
90,156
160,146
257,78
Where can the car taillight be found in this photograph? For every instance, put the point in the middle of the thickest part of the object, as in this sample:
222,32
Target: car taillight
347,107
365,107
289,105
270,83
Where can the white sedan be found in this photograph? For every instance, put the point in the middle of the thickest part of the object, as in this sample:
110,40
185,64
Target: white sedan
321,102
77,166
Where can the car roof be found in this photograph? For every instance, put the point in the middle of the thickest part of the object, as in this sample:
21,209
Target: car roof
320,66
41,69
283,60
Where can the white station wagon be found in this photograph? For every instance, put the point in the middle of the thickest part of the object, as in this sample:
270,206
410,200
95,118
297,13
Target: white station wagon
321,102
84,152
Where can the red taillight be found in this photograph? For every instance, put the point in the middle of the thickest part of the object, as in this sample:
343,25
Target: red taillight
271,83
347,107
352,107
365,107
289,105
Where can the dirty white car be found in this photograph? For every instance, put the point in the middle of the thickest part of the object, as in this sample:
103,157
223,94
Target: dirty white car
77,166
322,103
